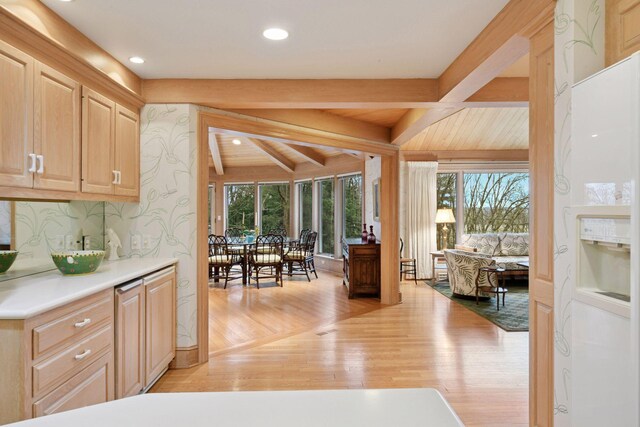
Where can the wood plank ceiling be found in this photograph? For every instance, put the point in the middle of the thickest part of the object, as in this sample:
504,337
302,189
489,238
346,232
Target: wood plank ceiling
252,153
476,129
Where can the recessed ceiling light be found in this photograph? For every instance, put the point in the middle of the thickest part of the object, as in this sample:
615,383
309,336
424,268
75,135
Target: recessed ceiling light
136,60
236,141
275,34
66,1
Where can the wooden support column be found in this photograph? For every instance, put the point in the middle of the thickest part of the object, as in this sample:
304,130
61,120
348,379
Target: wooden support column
389,224
541,146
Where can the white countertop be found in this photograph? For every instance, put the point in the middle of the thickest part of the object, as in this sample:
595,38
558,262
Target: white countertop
28,296
334,408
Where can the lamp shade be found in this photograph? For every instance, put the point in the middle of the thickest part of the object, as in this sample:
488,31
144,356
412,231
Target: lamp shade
445,216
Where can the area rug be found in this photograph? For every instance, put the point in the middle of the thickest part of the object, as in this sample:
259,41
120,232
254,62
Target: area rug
513,317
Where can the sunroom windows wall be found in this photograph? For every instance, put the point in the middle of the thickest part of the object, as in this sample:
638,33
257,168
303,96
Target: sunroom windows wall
484,198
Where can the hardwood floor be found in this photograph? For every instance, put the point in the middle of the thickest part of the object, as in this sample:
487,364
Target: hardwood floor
427,341
241,317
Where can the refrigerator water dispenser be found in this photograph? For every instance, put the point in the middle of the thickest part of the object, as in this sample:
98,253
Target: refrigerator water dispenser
604,262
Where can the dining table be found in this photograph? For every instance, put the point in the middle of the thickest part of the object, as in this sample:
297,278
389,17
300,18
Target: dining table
243,246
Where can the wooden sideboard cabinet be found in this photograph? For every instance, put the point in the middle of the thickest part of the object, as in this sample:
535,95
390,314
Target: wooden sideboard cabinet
361,267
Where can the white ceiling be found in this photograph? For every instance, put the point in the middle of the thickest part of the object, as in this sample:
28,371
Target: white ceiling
328,38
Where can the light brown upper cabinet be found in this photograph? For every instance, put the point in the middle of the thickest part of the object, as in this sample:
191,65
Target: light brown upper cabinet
110,147
56,140
98,142
127,152
39,125
622,35
16,118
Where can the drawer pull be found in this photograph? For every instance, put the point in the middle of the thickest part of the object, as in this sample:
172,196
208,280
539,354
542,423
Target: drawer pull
82,324
82,355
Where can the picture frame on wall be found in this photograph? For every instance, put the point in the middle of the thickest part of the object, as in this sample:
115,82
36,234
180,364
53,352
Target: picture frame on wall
376,199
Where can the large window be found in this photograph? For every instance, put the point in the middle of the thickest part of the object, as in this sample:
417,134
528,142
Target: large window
493,202
326,205
351,206
240,206
274,207
496,202
305,205
447,190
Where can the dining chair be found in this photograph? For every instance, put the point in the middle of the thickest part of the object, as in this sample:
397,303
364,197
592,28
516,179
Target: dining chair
302,255
279,231
221,258
234,235
267,253
407,265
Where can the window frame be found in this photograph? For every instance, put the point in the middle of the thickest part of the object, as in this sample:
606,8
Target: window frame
258,203
472,168
226,201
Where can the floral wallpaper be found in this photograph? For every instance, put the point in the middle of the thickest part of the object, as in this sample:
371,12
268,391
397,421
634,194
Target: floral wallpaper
5,222
42,227
579,52
163,224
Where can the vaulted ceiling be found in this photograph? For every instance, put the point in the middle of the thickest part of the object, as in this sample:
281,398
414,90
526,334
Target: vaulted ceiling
254,152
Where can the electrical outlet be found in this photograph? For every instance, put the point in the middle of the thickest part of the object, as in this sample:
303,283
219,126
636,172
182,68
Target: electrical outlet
58,242
69,242
146,241
135,242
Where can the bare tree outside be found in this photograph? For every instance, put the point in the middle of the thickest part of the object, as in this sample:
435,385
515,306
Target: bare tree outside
496,202
493,202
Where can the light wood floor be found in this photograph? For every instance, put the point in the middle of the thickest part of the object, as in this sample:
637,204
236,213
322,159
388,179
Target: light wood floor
427,341
241,317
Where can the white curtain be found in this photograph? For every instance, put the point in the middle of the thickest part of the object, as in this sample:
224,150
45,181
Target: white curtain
419,228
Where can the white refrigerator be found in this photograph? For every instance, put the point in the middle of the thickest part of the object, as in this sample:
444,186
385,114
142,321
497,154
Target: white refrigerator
603,228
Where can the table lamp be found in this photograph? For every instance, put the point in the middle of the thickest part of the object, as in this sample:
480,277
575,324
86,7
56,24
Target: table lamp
445,216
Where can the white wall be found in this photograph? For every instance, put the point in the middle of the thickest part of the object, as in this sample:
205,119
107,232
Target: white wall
372,171
166,214
579,52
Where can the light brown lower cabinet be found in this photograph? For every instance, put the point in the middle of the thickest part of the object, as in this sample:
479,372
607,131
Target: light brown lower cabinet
160,301
104,346
91,386
130,336
145,331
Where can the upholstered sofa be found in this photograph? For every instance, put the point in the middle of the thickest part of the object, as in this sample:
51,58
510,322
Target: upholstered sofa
463,268
507,249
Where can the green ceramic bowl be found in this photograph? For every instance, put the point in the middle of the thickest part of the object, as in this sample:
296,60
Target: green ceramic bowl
6,259
77,262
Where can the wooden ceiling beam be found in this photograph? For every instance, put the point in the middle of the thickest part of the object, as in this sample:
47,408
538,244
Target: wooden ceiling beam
501,92
479,155
274,155
321,120
282,93
309,154
499,45
214,147
472,79
248,126
416,120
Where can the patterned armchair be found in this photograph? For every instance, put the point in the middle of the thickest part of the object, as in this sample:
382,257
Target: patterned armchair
463,268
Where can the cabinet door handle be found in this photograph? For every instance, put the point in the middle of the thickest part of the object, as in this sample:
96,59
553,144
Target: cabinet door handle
32,168
82,324
40,158
82,355
115,177
119,177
